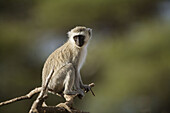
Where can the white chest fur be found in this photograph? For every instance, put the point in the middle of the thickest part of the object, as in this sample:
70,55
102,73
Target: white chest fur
82,58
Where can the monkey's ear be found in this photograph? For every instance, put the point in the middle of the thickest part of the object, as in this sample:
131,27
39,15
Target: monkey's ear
69,33
89,31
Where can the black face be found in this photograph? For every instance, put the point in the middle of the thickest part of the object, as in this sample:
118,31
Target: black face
79,40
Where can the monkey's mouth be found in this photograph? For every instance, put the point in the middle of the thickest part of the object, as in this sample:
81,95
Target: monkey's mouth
79,40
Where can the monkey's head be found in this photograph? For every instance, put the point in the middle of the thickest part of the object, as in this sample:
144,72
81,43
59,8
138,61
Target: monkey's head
80,36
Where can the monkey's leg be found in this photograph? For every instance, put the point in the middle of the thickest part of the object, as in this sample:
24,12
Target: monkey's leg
69,94
63,80
68,105
69,81
77,86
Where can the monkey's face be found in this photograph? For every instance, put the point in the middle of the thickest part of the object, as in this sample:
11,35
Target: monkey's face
79,40
80,36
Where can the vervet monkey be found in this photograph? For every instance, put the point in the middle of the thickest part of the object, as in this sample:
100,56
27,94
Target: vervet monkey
67,61
61,71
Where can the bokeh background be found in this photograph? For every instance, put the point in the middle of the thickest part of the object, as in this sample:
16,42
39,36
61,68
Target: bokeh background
128,56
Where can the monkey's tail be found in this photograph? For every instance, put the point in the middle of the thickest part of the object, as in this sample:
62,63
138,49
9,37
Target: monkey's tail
27,96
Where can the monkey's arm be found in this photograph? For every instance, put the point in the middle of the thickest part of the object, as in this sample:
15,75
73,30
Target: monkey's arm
82,85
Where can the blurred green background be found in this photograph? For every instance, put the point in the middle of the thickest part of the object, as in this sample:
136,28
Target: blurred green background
128,57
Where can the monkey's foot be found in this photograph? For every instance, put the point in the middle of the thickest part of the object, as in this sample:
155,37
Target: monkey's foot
44,104
72,93
69,98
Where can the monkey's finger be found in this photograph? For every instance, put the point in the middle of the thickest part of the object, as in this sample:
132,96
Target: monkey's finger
87,89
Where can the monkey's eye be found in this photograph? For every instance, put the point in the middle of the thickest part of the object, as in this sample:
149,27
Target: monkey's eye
79,37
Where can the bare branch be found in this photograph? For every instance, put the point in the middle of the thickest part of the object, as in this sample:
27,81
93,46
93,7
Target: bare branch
27,96
37,105
40,99
54,109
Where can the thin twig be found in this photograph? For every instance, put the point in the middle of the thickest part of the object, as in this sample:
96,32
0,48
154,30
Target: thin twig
92,85
27,96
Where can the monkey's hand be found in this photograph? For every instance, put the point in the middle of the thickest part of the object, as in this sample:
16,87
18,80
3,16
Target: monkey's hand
88,88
